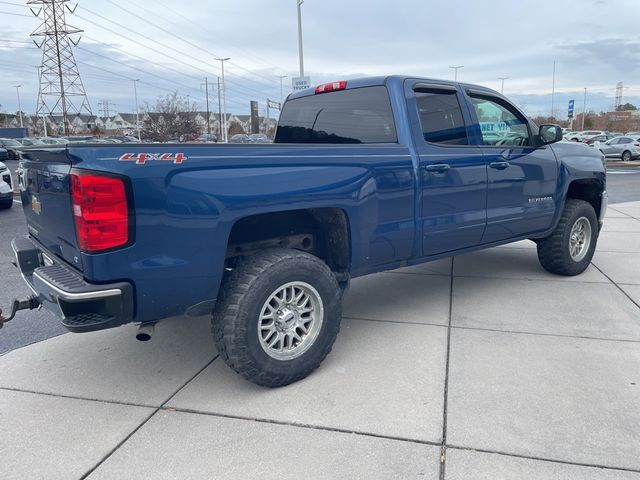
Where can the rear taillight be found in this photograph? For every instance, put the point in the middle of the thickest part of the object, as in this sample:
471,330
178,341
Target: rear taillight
331,87
100,211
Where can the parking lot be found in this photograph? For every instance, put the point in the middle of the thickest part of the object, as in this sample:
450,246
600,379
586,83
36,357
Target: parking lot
484,367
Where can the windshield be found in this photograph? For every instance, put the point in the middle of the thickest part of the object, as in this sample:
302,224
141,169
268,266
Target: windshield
10,143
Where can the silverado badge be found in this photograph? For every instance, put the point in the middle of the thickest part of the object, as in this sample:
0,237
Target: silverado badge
36,206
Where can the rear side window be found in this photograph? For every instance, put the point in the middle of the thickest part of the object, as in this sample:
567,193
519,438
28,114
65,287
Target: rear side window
361,115
441,117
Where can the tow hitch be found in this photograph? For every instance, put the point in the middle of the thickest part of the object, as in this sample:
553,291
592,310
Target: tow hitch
30,303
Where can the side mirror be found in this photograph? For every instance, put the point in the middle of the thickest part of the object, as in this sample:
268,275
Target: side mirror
550,134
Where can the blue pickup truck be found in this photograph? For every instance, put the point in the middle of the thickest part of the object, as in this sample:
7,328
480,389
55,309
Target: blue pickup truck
363,176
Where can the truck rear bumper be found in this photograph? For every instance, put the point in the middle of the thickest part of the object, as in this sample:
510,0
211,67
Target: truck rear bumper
82,306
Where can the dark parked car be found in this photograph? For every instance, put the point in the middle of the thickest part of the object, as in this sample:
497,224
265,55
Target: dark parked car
12,146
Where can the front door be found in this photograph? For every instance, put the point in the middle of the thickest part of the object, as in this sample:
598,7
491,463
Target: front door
452,173
523,178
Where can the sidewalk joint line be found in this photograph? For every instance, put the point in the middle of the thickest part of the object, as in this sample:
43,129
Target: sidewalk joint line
74,397
617,286
397,322
156,410
543,459
540,334
443,446
306,426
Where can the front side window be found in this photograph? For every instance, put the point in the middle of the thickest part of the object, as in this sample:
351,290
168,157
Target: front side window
501,125
359,115
441,117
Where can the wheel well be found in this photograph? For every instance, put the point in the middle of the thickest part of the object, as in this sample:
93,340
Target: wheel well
323,232
589,191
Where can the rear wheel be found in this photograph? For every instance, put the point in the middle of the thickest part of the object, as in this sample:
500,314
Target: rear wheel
277,317
6,203
626,156
569,249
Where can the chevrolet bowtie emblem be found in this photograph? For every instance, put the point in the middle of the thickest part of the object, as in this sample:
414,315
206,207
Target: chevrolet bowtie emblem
36,206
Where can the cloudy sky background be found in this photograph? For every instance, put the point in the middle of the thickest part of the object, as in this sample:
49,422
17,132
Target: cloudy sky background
171,45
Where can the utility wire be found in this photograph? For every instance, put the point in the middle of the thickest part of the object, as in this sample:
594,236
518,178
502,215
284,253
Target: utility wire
207,52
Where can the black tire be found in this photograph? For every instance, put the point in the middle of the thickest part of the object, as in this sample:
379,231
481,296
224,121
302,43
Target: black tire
237,313
575,140
6,204
626,156
554,250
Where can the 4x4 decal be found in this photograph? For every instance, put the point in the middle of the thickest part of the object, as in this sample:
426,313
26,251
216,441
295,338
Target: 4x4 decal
142,158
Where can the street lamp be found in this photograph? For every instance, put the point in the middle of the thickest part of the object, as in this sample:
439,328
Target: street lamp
135,92
19,104
224,100
502,79
281,77
300,54
455,68
584,107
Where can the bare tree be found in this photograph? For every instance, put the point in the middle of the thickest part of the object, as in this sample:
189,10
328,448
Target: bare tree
171,118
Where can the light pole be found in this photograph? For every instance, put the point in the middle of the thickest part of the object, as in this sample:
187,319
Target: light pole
281,77
502,79
300,54
224,100
19,104
135,92
553,90
455,69
584,107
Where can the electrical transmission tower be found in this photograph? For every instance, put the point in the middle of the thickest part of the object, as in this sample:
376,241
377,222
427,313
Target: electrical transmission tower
61,90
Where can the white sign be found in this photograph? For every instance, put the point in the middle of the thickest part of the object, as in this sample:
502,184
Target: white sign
300,83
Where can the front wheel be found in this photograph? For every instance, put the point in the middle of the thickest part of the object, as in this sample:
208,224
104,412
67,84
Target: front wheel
570,248
6,203
277,316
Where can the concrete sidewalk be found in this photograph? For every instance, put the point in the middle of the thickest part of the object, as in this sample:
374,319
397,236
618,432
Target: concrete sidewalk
485,361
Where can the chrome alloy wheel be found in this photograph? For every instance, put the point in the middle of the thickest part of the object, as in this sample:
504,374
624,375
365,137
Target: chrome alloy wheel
580,239
290,320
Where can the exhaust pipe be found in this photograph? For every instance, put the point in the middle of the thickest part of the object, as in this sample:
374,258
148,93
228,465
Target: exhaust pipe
145,332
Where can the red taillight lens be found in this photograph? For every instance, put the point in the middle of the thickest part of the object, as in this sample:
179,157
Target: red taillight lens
100,211
331,87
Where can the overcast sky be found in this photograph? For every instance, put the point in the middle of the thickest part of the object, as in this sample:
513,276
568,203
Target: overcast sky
171,45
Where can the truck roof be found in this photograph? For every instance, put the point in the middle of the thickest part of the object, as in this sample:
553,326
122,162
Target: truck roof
383,80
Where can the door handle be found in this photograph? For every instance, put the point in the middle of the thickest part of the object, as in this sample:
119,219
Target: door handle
438,167
501,165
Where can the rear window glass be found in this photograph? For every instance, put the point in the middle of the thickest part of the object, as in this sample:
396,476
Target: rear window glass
361,115
441,117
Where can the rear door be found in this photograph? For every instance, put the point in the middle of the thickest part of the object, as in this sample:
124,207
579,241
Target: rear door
46,200
522,178
452,173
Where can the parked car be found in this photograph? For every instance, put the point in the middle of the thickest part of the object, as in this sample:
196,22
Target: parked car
4,155
6,187
632,134
207,138
364,176
31,142
259,138
54,140
586,135
12,146
597,140
240,138
627,148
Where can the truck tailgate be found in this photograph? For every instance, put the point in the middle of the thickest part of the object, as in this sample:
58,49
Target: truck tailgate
46,200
